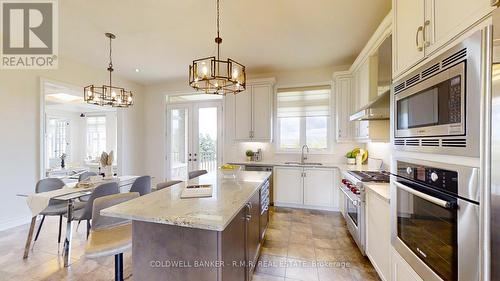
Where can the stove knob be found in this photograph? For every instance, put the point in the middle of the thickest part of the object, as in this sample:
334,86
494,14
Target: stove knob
344,181
409,170
434,176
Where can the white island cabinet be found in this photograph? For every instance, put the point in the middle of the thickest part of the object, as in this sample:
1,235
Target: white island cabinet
306,187
401,270
378,234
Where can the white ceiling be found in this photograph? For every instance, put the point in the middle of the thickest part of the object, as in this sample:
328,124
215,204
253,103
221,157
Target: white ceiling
78,105
161,38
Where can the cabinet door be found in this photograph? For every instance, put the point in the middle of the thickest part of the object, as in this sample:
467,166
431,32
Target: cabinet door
254,231
378,233
288,186
408,17
233,247
318,187
343,88
262,112
401,270
446,19
243,115
364,84
363,130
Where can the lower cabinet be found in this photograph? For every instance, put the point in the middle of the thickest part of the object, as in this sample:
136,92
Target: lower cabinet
378,234
240,242
306,187
401,270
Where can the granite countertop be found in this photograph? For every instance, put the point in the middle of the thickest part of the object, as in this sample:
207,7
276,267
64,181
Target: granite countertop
215,213
381,189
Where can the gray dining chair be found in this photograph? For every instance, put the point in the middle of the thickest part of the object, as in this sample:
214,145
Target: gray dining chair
110,236
166,184
86,175
197,173
85,213
82,177
142,185
55,207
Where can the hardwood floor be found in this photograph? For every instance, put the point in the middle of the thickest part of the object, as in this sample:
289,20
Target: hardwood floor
300,245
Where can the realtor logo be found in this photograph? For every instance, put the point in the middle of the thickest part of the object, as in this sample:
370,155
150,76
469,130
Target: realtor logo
29,34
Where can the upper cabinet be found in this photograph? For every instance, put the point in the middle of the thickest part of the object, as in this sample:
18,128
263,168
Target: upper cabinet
424,26
344,104
251,112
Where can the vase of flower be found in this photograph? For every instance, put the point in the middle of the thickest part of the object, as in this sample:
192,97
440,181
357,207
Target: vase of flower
63,160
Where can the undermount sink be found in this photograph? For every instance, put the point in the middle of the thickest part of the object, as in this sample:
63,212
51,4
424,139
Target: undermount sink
305,164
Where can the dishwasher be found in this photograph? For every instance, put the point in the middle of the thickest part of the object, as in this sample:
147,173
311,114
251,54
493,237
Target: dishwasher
261,168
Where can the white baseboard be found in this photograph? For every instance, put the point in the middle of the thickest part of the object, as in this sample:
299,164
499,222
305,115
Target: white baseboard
13,222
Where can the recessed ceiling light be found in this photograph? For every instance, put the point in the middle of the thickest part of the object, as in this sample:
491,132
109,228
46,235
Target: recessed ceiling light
137,70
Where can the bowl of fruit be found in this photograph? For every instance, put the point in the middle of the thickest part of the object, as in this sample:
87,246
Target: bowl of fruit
230,171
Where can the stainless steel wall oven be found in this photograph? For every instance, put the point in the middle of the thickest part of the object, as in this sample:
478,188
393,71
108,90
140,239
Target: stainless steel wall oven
435,219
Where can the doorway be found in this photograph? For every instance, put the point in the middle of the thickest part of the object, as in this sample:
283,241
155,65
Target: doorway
194,138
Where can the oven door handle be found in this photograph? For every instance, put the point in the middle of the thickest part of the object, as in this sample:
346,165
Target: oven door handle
432,199
354,201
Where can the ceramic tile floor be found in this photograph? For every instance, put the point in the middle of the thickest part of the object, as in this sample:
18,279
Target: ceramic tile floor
300,245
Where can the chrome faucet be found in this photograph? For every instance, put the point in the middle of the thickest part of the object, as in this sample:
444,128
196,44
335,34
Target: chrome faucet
303,157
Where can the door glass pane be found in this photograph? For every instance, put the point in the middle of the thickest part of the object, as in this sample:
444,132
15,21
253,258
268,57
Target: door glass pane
178,144
352,211
207,138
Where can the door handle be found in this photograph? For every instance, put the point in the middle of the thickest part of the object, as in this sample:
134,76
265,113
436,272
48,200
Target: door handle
424,32
419,48
432,199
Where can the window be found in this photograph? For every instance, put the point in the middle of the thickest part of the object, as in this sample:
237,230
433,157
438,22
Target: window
96,136
303,118
56,138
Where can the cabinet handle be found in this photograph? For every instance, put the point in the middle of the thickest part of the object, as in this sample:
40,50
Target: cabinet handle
426,41
419,29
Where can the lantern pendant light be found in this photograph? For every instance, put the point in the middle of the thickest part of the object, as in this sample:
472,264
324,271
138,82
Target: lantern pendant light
108,94
215,76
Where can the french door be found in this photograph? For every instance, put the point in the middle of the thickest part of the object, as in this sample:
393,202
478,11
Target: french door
194,138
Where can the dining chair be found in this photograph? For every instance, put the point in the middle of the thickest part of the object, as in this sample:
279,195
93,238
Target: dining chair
197,173
110,236
166,184
85,213
86,175
55,207
142,185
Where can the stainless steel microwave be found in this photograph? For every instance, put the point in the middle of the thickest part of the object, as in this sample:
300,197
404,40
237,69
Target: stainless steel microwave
437,108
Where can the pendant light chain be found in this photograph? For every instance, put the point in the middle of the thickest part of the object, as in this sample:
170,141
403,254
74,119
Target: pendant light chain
218,39
110,66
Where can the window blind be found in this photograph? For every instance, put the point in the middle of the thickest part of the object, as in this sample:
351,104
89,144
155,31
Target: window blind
303,102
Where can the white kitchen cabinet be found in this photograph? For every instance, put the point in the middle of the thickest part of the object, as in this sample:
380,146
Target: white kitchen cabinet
447,18
288,185
423,26
262,112
401,270
409,17
378,234
367,81
306,187
344,92
319,187
252,112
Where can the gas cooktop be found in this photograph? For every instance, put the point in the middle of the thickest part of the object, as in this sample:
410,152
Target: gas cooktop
371,176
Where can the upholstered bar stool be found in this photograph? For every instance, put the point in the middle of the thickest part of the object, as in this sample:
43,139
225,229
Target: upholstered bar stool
197,173
166,184
110,236
142,185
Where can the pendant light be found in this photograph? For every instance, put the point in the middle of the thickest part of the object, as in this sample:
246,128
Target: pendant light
215,76
108,94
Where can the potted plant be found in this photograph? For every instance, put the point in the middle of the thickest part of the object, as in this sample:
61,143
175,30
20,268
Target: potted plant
351,158
249,155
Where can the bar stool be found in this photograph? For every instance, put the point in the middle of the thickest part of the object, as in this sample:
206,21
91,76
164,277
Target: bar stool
110,236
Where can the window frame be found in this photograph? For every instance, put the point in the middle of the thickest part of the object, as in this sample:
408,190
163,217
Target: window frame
87,133
303,136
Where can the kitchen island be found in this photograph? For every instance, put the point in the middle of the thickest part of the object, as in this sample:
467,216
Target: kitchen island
213,238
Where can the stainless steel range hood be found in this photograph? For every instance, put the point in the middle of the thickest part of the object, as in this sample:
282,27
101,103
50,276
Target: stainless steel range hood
377,109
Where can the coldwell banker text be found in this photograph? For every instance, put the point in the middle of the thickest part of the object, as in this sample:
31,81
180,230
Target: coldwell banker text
29,34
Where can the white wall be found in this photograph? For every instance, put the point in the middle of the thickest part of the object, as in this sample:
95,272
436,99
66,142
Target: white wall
20,131
380,150
155,120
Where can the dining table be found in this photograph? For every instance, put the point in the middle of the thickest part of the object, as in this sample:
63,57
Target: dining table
37,202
